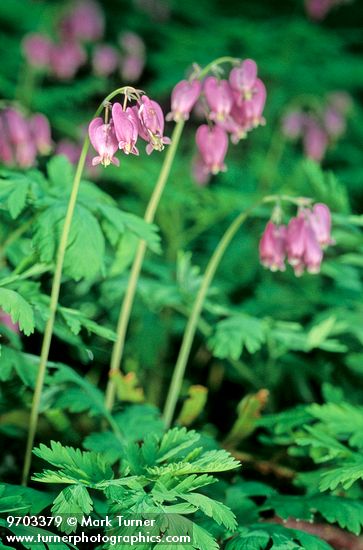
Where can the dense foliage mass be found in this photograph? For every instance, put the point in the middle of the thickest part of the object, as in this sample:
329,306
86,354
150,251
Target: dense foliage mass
181,272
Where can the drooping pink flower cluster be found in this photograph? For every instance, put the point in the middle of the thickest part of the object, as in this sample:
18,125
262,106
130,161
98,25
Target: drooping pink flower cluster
22,139
144,120
232,106
85,24
301,242
319,9
320,129
60,59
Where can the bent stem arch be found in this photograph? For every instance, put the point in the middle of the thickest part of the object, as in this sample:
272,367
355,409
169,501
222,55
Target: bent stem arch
191,328
127,303
213,264
128,300
54,297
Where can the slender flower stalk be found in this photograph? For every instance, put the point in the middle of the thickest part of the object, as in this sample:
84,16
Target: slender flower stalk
191,328
47,338
124,317
127,303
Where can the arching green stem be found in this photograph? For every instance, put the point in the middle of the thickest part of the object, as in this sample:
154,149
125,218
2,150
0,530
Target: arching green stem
126,307
54,297
128,301
179,369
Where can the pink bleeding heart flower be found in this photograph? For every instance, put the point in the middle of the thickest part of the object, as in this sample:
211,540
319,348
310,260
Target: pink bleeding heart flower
183,98
25,154
254,107
242,80
133,58
5,319
320,221
105,60
272,247
212,144
315,140
334,122
303,249
69,149
85,22
104,141
66,58
151,124
6,151
219,98
313,254
132,43
131,67
20,137
295,240
126,131
40,130
17,126
72,152
293,124
237,124
37,48
318,9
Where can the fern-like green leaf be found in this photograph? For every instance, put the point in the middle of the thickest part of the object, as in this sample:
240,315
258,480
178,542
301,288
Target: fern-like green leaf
72,501
19,309
87,467
345,476
213,509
